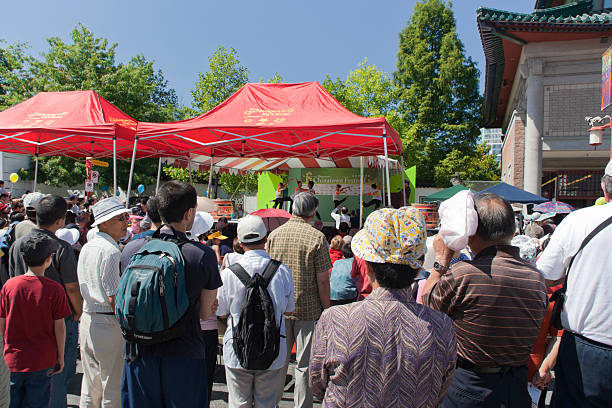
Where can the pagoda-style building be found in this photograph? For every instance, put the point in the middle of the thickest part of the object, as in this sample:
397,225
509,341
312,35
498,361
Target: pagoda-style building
543,76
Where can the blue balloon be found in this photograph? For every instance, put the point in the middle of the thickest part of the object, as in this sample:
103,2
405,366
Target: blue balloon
141,189
104,188
117,193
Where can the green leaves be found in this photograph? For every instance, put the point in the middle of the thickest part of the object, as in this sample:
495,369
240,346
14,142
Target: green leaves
225,76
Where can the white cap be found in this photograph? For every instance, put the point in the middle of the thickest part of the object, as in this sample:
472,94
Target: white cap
608,171
202,223
106,209
251,229
70,235
32,200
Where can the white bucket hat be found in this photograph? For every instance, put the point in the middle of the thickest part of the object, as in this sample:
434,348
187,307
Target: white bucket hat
202,223
70,235
106,209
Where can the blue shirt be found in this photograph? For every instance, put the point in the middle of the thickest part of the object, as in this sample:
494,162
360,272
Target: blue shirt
147,233
342,286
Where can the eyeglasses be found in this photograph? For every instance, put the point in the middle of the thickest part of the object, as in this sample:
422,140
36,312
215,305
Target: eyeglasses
122,218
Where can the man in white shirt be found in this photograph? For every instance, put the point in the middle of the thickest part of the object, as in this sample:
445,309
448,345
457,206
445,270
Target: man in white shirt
99,333
341,217
584,363
254,387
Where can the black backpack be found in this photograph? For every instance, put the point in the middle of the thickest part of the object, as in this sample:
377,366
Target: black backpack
256,337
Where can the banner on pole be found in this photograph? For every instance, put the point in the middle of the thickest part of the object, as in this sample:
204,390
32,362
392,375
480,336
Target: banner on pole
94,176
89,186
606,78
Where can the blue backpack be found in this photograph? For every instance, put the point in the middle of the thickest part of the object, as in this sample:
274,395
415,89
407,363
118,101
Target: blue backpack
151,304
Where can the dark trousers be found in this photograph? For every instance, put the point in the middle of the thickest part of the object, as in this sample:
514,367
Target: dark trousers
278,202
31,389
583,373
338,202
159,382
211,339
375,203
59,382
507,389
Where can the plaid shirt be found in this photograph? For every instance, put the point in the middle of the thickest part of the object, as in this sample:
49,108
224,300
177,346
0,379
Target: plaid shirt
304,250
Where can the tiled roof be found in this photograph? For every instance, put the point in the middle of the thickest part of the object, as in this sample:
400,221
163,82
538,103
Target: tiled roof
577,13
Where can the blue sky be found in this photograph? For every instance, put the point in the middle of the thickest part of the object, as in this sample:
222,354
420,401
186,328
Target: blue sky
301,40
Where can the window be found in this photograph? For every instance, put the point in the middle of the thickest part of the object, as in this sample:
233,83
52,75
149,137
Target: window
607,4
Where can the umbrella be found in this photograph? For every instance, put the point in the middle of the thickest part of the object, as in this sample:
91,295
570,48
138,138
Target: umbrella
557,207
272,217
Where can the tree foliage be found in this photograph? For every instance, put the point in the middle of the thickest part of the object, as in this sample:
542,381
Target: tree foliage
88,63
236,184
479,165
439,98
225,76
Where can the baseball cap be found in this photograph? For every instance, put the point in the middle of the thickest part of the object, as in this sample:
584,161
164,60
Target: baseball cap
37,247
608,171
392,236
251,229
32,200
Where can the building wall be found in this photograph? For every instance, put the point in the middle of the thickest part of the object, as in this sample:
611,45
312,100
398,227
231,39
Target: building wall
513,152
492,138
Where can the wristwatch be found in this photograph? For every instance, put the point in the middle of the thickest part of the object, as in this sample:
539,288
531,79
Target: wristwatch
441,269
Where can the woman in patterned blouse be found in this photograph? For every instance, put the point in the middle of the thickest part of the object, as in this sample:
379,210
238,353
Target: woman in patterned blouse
387,350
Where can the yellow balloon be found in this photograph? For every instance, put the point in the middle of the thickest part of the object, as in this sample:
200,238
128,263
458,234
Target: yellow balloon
14,177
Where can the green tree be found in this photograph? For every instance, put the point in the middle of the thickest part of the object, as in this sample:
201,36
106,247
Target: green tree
439,98
235,184
89,63
478,166
225,76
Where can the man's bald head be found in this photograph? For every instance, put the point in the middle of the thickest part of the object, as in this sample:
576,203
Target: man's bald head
495,218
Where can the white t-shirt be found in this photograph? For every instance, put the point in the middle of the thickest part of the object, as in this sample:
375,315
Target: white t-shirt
588,306
231,294
340,218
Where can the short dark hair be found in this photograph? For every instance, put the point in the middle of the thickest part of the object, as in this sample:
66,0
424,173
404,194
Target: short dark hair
16,216
153,210
256,243
607,180
50,209
36,248
311,183
394,276
495,218
344,227
373,185
70,217
344,210
175,199
347,252
1,182
4,195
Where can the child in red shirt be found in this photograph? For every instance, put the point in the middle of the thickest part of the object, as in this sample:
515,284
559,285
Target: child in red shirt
32,312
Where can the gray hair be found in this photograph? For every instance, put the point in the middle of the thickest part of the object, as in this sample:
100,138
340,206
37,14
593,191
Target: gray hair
495,218
606,182
305,205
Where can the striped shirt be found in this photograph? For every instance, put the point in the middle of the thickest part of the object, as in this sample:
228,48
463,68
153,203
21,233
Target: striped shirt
497,302
385,351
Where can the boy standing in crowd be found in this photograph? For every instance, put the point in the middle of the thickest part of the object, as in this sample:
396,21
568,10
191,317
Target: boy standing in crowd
32,313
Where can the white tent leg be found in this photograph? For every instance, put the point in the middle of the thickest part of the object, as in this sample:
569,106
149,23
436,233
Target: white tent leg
35,174
159,165
360,191
382,188
403,181
210,173
115,165
127,194
387,169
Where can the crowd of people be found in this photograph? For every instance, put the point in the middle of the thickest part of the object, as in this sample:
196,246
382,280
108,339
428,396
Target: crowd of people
373,324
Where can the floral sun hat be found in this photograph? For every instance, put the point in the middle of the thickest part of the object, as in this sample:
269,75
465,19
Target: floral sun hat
392,236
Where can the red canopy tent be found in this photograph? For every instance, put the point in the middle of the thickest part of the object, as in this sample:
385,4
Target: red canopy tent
276,121
73,124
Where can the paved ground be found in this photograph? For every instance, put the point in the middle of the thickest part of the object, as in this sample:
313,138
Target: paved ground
219,398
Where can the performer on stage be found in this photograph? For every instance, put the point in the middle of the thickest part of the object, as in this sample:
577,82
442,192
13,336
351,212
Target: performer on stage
299,189
312,191
280,199
339,190
376,198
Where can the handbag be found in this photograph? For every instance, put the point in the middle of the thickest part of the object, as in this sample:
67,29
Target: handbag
560,294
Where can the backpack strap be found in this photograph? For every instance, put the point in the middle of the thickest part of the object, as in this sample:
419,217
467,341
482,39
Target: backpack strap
241,274
270,270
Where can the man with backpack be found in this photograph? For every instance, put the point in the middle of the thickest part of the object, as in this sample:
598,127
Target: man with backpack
168,285
256,291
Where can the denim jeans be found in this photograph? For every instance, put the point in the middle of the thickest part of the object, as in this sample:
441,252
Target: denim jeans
59,382
583,373
507,389
31,389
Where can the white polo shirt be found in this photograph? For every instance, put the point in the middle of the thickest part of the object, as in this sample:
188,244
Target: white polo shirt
340,218
587,310
231,294
98,272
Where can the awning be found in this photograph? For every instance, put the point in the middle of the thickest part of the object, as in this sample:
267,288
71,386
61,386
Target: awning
514,194
275,121
444,194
